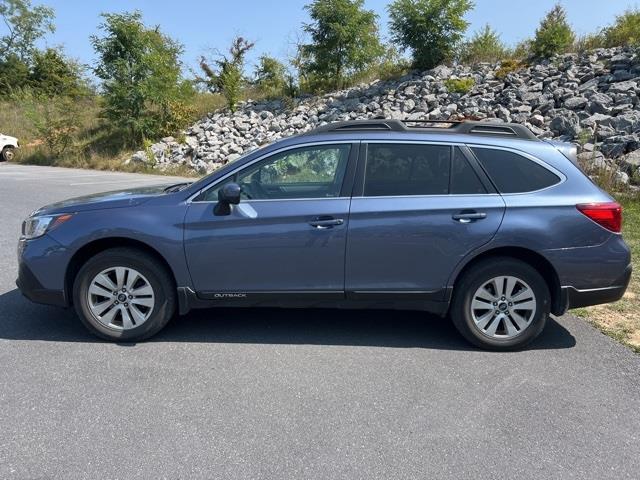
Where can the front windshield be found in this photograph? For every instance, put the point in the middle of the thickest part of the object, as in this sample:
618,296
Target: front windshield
204,180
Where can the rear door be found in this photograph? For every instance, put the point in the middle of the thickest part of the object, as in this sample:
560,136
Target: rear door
419,208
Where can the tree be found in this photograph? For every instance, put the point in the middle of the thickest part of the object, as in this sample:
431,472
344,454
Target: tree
554,35
141,78
25,25
52,74
14,74
227,77
431,29
484,46
270,76
344,41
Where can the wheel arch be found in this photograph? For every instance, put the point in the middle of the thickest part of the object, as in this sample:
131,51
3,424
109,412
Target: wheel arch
96,246
532,258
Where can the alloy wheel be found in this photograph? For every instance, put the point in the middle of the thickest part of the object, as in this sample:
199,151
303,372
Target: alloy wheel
503,307
120,298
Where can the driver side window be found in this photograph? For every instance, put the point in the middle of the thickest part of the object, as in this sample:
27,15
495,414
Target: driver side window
307,172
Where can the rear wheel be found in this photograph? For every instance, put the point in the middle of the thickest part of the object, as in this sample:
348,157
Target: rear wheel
124,294
8,154
501,304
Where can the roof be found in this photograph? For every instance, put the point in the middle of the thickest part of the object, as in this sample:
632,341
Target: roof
504,130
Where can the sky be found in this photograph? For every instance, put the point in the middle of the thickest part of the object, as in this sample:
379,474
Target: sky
206,25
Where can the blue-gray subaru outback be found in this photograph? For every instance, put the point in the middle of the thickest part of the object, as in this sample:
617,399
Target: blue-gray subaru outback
482,222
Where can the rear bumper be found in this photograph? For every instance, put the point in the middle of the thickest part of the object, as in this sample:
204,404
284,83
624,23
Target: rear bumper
576,298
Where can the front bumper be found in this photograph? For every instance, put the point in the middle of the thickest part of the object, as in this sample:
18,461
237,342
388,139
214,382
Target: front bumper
42,264
595,296
31,288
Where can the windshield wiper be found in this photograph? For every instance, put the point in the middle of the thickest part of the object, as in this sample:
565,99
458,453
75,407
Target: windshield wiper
177,187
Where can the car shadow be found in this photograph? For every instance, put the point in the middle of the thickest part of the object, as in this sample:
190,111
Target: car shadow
23,320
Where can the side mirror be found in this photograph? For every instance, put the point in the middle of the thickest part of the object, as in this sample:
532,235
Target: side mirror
228,195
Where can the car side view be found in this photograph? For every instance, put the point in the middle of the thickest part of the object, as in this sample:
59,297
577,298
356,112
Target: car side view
481,222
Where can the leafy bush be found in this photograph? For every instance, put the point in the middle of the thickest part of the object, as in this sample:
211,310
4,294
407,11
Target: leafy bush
625,31
521,52
589,42
389,67
484,46
270,77
226,77
55,121
508,66
554,35
459,85
431,29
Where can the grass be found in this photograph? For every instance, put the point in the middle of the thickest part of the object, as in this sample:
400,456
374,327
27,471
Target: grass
621,320
94,145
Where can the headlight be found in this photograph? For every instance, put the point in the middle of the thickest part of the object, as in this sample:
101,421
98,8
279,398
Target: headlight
34,227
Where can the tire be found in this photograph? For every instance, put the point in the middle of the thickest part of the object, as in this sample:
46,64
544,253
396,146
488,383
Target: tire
8,153
138,312
504,318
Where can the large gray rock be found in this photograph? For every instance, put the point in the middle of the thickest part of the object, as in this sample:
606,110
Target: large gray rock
621,87
591,97
600,103
575,103
565,125
630,162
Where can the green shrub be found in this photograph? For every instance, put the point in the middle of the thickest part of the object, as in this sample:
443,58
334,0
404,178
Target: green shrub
589,42
521,52
459,85
508,66
55,121
227,77
270,77
554,35
625,31
484,46
391,66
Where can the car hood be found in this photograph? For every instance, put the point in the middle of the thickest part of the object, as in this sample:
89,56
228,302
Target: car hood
97,201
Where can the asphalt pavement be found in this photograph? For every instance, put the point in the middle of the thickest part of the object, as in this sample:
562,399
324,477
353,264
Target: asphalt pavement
261,394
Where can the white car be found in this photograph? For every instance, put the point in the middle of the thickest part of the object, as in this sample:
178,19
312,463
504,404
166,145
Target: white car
8,147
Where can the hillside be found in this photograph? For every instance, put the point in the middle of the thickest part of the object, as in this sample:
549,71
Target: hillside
590,99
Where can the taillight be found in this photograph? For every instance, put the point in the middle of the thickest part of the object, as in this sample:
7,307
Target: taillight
606,214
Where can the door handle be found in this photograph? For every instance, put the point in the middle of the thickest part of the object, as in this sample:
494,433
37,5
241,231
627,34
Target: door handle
324,222
468,217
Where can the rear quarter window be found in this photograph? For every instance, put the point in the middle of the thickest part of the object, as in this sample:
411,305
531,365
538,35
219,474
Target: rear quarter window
513,173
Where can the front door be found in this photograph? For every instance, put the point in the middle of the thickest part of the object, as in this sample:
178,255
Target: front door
287,235
421,209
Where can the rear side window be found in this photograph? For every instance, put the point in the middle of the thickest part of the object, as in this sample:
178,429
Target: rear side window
464,180
406,169
513,173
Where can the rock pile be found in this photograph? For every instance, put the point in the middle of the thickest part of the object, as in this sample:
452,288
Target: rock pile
589,99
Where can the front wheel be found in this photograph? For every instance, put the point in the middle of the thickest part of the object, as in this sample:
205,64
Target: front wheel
501,304
124,294
8,154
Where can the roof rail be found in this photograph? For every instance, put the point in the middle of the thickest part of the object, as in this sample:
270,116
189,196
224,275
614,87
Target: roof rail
360,125
514,130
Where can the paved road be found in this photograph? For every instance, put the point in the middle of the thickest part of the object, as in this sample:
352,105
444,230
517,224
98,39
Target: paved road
297,394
